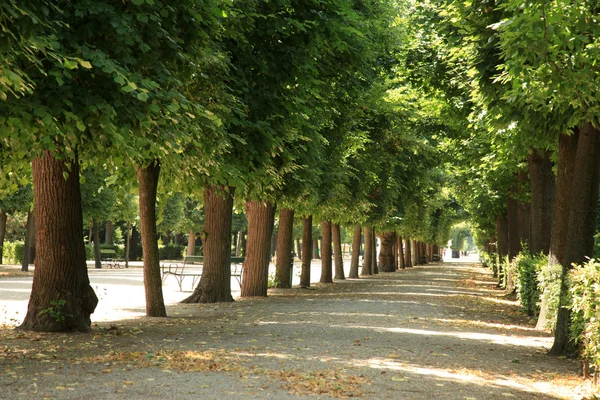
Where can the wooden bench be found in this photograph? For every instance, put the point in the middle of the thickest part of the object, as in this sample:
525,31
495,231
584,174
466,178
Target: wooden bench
109,256
192,267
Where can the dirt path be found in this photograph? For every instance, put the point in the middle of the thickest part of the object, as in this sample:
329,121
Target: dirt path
432,332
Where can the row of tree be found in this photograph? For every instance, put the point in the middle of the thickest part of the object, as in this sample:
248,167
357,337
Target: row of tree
313,108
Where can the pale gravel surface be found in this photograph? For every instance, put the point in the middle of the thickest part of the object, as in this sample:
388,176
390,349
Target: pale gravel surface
441,331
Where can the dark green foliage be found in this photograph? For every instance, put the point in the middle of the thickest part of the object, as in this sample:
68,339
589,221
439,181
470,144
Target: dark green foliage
171,252
528,268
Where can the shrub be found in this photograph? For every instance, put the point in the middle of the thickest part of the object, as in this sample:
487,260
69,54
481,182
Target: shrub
584,282
171,252
527,268
549,284
12,252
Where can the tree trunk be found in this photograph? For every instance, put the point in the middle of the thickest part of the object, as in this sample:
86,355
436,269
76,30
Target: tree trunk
386,252
96,239
299,249
567,151
285,242
408,253
148,184
374,267
238,246
367,256
215,283
524,214
191,245
135,238
127,244
582,222
306,251
355,252
108,235
244,243
395,251
415,253
401,264
261,217
315,249
29,238
3,218
337,252
60,280
326,256
542,183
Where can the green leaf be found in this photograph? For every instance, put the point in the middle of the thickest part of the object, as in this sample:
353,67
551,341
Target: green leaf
142,96
70,64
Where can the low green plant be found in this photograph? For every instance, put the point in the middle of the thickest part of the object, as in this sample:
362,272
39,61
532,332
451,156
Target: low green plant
56,311
12,252
527,269
584,282
273,281
549,278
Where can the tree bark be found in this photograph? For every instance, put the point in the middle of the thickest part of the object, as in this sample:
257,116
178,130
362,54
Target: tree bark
567,151
108,235
542,183
261,217
135,238
60,279
148,184
299,248
96,241
3,218
191,245
581,224
306,251
215,283
337,252
326,256
395,251
238,246
386,252
356,242
285,242
367,256
401,264
408,254
29,238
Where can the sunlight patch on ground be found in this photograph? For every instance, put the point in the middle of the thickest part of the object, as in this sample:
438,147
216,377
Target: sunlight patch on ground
475,377
513,340
485,324
501,301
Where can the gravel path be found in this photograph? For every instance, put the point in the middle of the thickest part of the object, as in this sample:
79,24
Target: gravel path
440,331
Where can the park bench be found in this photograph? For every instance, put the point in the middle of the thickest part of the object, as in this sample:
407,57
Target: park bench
109,257
192,267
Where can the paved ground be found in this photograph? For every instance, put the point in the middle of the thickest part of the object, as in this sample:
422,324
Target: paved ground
432,332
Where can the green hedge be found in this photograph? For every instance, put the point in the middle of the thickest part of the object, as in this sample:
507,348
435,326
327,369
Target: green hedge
584,282
171,252
12,252
528,269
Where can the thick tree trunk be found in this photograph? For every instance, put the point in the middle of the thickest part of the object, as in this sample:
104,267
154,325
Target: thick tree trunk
542,183
415,253
96,238
326,255
408,253
3,218
285,242
127,244
582,222
29,239
261,217
148,184
567,151
215,283
356,242
306,251
395,251
60,280
337,252
315,249
367,256
108,235
191,245
401,263
386,252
